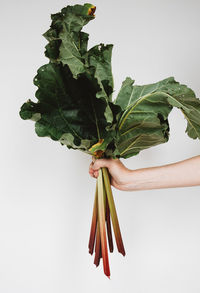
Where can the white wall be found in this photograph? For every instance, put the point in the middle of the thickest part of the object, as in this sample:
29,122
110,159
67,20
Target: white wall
46,194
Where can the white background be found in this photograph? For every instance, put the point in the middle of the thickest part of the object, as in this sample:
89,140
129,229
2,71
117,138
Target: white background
46,194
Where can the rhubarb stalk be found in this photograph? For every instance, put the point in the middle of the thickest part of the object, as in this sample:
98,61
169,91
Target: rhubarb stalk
101,219
94,224
97,247
108,225
113,212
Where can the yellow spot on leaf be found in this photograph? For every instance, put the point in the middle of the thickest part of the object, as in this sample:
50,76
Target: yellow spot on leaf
94,146
95,149
92,10
98,154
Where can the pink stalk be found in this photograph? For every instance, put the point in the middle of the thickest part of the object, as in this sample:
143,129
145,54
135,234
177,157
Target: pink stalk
108,224
97,247
93,224
113,213
101,221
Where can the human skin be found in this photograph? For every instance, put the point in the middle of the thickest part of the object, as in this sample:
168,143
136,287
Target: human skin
180,174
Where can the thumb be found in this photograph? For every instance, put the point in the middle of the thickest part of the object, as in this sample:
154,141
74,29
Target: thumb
100,163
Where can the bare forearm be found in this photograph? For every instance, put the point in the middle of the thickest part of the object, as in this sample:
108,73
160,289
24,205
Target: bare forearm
180,174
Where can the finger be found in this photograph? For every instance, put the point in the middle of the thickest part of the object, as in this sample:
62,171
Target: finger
96,174
100,163
91,165
91,172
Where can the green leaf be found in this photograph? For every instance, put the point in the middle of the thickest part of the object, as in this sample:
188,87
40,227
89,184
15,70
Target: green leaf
133,93
68,108
70,54
67,43
125,94
189,106
144,121
98,60
75,96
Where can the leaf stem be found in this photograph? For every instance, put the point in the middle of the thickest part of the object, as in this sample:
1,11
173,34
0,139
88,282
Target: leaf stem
108,225
97,247
113,213
101,221
94,223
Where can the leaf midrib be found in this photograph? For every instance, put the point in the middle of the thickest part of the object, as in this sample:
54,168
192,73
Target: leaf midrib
132,107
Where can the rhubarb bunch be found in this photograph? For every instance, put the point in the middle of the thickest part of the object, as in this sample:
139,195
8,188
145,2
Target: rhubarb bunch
75,107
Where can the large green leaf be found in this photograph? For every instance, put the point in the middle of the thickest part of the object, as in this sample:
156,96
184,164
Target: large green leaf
67,43
68,46
98,60
146,108
67,108
75,96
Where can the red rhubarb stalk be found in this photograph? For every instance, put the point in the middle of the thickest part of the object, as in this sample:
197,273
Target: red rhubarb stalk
102,224
113,213
93,224
97,247
107,217
108,225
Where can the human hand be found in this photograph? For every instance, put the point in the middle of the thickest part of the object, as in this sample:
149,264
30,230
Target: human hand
119,173
179,174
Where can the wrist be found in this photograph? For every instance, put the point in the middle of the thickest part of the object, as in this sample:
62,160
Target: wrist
140,179
129,180
132,181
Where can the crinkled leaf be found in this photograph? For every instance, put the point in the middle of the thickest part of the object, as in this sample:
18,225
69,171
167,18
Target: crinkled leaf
146,108
75,96
68,108
98,60
68,45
